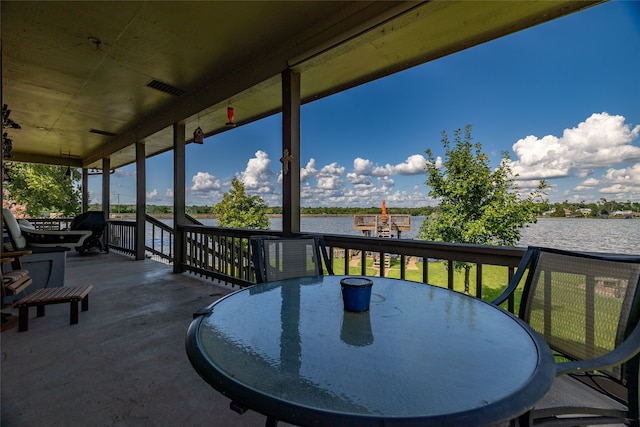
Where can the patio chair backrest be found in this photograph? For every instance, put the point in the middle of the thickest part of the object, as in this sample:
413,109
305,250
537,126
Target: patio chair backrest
584,305
94,221
15,234
278,258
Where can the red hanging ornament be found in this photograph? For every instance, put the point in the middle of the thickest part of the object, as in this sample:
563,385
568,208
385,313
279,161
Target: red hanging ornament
230,117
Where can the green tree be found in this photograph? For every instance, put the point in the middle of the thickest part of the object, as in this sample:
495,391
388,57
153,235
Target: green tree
478,204
44,188
239,210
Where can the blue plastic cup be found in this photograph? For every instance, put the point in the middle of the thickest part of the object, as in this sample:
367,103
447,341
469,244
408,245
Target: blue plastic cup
356,293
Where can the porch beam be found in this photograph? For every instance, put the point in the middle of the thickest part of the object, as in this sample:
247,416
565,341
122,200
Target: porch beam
290,152
179,200
141,200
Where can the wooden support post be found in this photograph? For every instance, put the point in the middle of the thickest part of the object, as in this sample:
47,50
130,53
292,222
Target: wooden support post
85,190
179,200
106,186
291,152
141,201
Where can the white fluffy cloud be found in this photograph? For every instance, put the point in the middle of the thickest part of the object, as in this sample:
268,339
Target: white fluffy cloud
365,185
622,184
363,169
362,166
587,185
152,194
600,141
156,197
257,175
413,165
203,182
386,183
597,150
330,177
307,171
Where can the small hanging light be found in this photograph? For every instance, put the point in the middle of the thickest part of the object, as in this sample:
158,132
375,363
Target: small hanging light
230,117
67,173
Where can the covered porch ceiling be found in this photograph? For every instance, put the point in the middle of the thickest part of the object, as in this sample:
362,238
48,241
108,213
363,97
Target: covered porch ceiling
87,80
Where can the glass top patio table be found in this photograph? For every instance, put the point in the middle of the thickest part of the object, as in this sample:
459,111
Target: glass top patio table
422,355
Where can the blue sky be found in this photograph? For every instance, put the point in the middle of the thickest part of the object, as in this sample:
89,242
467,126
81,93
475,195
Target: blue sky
563,98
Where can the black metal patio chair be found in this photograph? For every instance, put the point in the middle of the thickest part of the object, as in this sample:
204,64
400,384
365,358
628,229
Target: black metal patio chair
586,306
96,222
277,258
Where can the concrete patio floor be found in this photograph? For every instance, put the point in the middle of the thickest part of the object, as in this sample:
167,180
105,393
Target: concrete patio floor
124,363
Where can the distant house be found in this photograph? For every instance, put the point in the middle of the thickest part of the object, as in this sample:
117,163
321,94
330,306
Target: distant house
622,214
567,213
548,213
585,211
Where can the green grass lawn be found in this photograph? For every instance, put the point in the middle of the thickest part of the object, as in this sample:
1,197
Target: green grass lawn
494,278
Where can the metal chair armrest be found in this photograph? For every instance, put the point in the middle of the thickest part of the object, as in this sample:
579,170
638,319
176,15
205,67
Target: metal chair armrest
515,281
15,254
14,258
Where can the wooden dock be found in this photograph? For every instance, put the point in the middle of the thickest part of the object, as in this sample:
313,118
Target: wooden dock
374,226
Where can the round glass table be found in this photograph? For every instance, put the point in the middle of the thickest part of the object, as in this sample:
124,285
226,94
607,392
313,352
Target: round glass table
422,355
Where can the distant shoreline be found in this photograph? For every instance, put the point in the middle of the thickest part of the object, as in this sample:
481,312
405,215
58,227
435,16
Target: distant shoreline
202,216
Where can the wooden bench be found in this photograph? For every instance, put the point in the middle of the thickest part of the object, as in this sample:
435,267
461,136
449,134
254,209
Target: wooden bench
57,295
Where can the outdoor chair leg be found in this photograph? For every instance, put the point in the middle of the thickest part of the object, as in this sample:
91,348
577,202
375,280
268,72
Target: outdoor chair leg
524,420
271,422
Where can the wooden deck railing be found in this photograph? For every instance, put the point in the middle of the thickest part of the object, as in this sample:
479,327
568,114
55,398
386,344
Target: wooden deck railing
121,235
224,254
161,248
220,253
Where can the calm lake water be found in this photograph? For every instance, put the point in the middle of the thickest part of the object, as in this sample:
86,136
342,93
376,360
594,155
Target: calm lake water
597,235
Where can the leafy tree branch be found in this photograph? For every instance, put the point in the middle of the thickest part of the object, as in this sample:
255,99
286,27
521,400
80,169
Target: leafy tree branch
478,205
